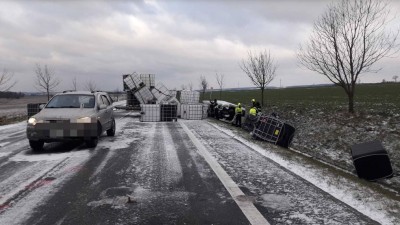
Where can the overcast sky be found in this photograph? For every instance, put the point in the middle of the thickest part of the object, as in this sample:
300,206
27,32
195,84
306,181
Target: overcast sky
177,40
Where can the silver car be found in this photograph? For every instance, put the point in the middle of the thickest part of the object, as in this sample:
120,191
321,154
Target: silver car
71,115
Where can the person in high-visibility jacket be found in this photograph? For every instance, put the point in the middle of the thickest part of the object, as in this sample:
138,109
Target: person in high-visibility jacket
253,111
253,102
238,115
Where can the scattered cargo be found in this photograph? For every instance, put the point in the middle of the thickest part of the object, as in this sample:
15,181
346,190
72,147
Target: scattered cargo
157,103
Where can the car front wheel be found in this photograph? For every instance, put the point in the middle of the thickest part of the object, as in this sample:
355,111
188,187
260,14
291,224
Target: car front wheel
36,145
92,143
111,131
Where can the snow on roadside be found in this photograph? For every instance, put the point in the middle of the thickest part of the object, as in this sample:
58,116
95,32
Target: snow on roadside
364,200
14,127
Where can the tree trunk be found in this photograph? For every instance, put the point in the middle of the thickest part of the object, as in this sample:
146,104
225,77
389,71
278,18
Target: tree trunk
262,97
351,102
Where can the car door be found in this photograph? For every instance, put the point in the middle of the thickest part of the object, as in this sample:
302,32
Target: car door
108,111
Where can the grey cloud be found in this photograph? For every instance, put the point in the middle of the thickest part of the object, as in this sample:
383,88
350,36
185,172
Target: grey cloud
176,40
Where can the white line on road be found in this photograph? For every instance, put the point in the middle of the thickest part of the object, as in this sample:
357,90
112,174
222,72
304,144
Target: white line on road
247,207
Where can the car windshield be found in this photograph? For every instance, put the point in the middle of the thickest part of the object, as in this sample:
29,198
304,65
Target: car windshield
71,101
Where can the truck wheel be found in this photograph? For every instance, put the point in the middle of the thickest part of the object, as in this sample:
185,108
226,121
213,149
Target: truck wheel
36,145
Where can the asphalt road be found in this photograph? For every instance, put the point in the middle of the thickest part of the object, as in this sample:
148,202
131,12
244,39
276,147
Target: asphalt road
153,173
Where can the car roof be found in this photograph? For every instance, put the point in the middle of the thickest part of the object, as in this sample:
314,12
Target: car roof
81,92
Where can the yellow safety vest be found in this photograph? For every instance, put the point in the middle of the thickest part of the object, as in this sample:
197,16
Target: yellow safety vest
253,111
238,110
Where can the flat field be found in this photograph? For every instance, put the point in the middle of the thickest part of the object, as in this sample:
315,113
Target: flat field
13,110
378,98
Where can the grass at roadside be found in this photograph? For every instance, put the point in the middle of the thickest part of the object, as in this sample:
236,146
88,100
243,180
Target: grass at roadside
10,120
378,98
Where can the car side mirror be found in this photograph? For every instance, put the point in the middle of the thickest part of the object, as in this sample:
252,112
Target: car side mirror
102,106
41,106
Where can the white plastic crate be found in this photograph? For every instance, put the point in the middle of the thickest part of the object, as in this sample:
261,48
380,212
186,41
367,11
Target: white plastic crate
192,111
150,113
205,110
144,95
173,93
148,79
161,93
190,97
133,82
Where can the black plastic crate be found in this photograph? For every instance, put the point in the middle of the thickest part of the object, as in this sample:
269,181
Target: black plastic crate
371,161
273,130
169,112
33,108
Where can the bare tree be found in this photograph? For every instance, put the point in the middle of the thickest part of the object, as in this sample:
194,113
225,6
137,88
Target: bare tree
395,77
203,84
347,40
261,69
90,85
6,82
46,80
117,93
74,84
190,86
220,81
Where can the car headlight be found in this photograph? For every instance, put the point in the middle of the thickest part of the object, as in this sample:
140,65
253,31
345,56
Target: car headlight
85,119
32,121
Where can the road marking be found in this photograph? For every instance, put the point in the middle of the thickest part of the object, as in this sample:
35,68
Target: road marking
247,206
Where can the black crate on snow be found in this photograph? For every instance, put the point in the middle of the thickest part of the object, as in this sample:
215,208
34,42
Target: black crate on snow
33,108
371,161
273,130
169,112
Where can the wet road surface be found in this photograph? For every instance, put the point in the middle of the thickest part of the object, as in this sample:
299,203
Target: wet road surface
152,173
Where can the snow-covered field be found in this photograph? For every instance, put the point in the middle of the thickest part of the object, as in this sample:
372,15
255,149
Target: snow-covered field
328,135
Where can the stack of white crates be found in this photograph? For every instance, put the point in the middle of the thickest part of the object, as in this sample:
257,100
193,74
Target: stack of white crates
191,109
157,103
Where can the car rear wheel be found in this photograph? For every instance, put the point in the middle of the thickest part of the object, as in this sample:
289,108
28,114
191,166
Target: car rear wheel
111,131
36,145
